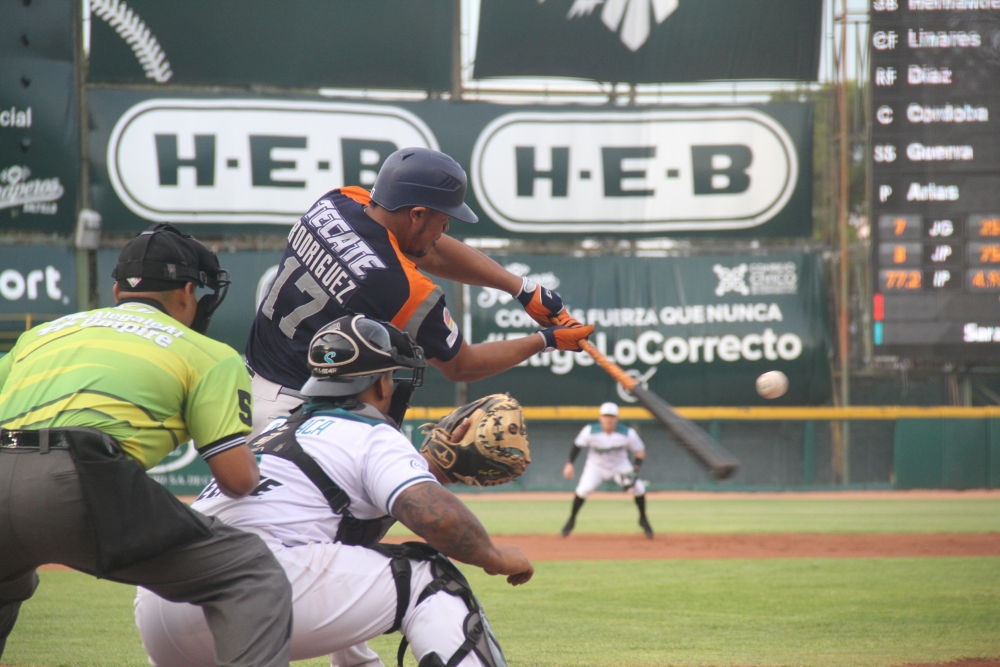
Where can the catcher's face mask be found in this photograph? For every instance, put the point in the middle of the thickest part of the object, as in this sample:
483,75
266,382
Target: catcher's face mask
402,392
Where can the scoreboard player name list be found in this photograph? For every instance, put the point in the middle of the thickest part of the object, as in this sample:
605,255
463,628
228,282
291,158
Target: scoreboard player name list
936,177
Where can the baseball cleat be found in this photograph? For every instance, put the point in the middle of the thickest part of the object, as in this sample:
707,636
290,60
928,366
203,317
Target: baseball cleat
568,528
646,528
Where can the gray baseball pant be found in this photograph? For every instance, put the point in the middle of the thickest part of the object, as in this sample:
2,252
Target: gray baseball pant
232,575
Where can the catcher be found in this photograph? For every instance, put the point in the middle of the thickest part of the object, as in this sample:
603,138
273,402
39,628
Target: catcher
334,476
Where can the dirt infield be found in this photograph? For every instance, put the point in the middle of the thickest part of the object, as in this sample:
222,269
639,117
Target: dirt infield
776,545
700,546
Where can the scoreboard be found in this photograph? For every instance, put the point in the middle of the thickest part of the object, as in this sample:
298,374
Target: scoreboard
935,76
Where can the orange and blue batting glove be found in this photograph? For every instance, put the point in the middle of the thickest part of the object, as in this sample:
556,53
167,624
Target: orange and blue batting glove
541,303
565,336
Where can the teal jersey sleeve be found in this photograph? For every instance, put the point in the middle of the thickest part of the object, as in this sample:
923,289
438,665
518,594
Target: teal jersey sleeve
218,412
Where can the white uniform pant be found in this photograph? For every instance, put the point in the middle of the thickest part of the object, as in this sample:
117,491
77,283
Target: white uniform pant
341,596
269,403
595,474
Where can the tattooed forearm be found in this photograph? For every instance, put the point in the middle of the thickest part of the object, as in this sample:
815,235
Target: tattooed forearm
435,514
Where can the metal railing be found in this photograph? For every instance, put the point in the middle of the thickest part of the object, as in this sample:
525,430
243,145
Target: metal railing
790,413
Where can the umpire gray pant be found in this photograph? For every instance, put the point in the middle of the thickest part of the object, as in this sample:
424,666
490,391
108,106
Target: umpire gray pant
232,575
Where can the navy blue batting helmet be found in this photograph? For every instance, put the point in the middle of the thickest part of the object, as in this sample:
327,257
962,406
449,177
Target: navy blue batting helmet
423,177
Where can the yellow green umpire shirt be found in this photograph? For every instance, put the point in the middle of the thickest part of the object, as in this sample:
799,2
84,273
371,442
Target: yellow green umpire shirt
133,372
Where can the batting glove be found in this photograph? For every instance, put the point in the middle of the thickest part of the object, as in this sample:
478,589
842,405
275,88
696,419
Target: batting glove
542,304
562,337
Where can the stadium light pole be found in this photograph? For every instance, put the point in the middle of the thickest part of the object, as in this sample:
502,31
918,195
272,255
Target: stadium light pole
86,258
456,51
842,223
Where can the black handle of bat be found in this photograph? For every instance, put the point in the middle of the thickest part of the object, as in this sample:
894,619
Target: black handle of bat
716,458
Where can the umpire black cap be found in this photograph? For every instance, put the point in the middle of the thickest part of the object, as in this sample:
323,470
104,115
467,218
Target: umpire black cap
423,177
349,354
162,258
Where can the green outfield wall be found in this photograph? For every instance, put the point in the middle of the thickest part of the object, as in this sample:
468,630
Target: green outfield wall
947,453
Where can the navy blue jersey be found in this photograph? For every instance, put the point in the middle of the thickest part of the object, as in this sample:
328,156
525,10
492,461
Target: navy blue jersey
339,261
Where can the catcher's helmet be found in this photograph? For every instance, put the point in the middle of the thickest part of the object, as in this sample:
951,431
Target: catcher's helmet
423,177
349,354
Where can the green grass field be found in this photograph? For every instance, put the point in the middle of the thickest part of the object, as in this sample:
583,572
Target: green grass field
741,516
822,612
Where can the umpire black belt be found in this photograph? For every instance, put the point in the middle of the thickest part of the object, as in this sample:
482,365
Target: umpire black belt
42,440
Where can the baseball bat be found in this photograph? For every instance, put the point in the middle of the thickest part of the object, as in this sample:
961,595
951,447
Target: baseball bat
706,451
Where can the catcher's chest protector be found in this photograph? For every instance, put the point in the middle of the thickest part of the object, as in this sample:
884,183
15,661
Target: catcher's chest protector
281,442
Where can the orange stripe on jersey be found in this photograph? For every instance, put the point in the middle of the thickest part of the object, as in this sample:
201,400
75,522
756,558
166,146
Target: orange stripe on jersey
420,286
358,194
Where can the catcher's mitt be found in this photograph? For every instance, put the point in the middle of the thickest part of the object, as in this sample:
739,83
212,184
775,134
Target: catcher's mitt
495,448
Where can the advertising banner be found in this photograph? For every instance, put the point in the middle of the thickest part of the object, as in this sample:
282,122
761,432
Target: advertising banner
233,164
695,330
39,137
650,41
37,284
288,43
37,279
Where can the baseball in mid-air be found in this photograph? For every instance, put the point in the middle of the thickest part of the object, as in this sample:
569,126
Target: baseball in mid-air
772,384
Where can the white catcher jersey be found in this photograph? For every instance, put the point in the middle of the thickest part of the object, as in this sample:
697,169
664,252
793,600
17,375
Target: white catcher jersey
609,450
370,460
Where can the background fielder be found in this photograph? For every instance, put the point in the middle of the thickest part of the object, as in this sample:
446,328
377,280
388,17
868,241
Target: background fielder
608,443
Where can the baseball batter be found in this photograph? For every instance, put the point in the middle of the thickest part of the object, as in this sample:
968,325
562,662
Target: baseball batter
608,443
318,516
361,252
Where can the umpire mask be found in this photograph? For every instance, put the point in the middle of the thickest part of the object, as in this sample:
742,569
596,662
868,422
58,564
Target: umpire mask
217,280
162,259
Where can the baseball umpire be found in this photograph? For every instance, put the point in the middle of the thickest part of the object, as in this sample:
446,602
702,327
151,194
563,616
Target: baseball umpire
92,400
335,475
608,443
356,252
